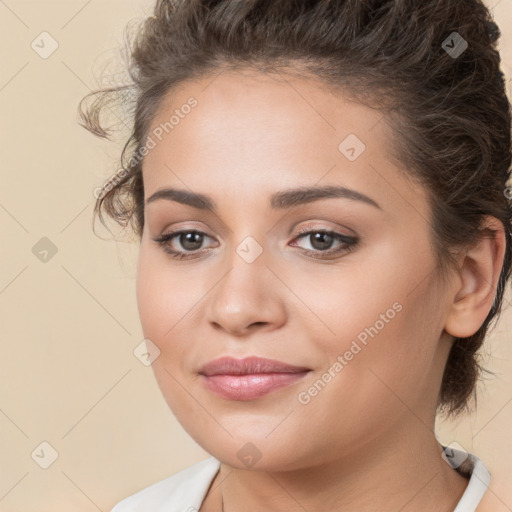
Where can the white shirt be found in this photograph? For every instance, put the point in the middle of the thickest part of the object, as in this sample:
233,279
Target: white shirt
186,490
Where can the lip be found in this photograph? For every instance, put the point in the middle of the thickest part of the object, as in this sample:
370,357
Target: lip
249,365
249,378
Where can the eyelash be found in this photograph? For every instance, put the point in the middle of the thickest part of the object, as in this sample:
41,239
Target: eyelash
349,243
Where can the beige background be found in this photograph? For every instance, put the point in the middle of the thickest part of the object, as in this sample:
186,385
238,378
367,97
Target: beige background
69,326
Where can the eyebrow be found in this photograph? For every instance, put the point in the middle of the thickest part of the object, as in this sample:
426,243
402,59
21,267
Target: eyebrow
280,200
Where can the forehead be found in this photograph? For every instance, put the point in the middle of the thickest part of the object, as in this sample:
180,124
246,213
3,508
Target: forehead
272,102
258,133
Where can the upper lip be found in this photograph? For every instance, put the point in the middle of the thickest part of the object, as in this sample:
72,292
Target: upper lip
249,365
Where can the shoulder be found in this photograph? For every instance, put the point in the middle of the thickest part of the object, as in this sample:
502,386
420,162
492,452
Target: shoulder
494,500
481,494
497,495
181,492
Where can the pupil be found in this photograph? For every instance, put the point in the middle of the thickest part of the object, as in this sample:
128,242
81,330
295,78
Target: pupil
321,236
189,238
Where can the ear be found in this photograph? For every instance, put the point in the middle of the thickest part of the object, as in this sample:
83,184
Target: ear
478,277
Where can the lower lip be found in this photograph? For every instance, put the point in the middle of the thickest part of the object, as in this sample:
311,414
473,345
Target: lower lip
248,387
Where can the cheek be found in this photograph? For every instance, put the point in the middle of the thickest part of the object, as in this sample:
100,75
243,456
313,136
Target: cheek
371,302
171,304
162,309
164,296
367,386
388,357
149,293
385,320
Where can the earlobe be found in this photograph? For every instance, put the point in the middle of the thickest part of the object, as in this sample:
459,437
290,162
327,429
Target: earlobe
478,278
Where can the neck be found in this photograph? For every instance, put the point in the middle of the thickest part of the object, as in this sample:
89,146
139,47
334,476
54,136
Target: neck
404,471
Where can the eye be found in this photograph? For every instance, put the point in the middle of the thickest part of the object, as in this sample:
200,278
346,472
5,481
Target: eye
190,240
321,241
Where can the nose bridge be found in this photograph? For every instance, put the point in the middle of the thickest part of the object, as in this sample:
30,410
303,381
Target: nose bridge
244,295
247,269
248,232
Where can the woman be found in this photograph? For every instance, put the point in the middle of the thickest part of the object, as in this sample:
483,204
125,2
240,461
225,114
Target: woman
320,192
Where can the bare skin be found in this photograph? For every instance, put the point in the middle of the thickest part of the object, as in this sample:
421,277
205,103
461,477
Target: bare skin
366,440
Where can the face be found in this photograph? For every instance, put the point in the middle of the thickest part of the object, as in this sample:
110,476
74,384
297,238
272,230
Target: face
344,286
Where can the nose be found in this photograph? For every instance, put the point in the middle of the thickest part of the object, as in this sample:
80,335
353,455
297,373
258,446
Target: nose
246,299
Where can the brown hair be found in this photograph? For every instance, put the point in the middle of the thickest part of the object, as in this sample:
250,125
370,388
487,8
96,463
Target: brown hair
446,103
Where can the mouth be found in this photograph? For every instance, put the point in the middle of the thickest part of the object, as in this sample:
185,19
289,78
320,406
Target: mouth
249,365
249,378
